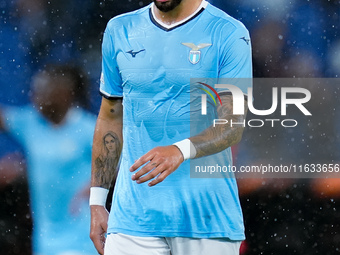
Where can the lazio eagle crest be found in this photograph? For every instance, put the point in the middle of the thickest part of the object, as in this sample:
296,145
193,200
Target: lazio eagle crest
195,53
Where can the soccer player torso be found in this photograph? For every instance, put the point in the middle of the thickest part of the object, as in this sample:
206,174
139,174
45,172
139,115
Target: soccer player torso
153,63
150,65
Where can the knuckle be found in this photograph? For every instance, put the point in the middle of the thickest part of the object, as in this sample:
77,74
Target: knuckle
92,236
149,167
152,175
140,160
160,178
141,172
155,161
138,174
141,180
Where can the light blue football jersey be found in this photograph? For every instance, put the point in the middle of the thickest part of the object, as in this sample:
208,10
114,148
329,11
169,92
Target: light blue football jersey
149,65
58,167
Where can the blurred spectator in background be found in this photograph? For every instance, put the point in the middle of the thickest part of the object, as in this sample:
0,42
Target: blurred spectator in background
54,31
56,134
15,217
306,30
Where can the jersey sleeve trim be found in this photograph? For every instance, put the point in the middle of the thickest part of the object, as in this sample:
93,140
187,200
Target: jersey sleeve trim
108,96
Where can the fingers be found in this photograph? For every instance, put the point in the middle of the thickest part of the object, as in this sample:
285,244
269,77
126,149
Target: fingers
141,161
151,175
98,241
157,164
99,217
159,178
104,226
150,167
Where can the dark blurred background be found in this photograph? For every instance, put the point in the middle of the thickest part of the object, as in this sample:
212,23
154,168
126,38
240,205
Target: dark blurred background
290,39
295,38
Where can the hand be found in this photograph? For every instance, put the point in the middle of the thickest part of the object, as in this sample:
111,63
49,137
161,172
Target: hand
161,161
99,218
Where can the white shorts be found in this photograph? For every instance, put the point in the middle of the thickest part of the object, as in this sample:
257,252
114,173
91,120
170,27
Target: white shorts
120,244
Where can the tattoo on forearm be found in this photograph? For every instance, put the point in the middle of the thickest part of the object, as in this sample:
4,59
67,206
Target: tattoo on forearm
220,137
106,164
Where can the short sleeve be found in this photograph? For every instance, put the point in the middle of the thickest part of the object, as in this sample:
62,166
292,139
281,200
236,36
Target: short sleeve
14,118
110,80
235,60
16,121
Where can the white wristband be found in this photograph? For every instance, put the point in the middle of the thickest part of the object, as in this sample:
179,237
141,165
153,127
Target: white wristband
187,148
98,196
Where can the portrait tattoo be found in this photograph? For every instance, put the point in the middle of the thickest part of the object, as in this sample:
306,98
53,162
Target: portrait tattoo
106,163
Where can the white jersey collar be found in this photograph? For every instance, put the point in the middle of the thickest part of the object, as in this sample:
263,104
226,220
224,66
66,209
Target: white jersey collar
203,5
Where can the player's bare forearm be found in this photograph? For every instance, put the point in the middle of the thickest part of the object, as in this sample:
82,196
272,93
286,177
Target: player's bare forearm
105,156
220,137
107,143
